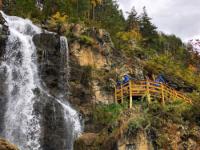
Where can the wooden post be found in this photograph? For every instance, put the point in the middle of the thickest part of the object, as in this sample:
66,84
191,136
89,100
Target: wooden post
115,100
175,95
148,92
162,94
130,95
122,94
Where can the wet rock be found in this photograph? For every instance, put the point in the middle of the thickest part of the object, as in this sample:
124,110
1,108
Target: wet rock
55,133
4,32
3,72
5,145
51,69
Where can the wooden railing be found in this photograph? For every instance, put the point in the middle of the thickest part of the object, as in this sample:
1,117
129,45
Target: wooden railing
148,89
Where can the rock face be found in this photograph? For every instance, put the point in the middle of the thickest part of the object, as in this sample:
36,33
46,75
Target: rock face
5,145
1,4
3,37
87,62
140,142
5,4
51,67
56,134
51,71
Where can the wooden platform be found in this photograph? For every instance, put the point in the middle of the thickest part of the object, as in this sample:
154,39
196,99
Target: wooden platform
148,89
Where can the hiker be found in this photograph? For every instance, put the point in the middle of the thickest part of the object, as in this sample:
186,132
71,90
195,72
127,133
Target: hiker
118,83
160,79
126,79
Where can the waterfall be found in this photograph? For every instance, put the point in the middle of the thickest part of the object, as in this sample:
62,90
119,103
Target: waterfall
64,50
22,123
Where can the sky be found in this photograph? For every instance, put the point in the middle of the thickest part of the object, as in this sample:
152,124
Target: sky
179,17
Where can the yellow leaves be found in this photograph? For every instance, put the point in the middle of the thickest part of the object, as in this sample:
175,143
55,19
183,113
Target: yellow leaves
131,35
57,19
192,68
129,41
96,2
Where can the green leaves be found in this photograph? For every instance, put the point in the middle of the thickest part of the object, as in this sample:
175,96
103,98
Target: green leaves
107,114
135,125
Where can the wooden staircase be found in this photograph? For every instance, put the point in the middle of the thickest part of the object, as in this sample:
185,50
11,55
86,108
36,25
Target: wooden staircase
148,89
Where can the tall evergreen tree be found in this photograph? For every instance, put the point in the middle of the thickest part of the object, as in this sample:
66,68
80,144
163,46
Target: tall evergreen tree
147,29
132,21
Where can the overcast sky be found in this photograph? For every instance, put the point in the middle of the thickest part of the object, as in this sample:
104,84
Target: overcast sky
180,17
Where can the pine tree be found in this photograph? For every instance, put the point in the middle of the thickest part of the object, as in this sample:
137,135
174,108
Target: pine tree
94,3
147,29
132,21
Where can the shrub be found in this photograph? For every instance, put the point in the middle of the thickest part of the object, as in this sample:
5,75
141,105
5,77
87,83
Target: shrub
135,125
57,20
107,114
86,39
176,71
193,112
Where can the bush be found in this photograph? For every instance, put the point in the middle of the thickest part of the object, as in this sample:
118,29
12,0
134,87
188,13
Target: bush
176,71
135,125
193,113
107,114
171,111
57,21
86,39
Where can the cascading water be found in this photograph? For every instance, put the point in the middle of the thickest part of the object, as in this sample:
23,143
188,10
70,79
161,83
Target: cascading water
22,123
64,50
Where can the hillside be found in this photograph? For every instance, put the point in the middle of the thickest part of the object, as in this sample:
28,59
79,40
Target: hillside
102,49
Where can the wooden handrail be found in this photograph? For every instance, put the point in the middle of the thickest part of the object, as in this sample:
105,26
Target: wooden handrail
148,88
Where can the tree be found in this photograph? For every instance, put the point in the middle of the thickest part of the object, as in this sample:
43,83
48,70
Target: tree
94,3
147,29
110,17
133,20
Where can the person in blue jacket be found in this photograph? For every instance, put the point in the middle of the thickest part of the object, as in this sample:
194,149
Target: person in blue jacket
126,79
118,83
160,79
